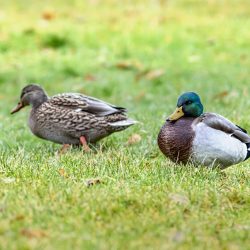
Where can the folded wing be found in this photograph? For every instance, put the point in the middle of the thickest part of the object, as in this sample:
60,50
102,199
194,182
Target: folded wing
218,122
79,102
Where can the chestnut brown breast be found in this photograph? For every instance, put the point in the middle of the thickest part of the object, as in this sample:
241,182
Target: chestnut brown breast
175,139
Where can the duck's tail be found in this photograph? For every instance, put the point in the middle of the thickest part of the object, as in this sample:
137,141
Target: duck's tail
123,124
248,150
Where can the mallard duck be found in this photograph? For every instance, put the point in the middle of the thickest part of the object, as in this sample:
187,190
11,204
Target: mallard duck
70,118
208,139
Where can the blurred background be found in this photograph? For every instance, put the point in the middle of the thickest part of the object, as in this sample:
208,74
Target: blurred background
138,54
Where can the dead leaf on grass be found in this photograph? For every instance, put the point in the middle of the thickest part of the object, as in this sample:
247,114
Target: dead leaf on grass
63,173
221,95
129,65
154,74
33,233
150,74
89,78
48,15
133,139
140,96
18,217
92,182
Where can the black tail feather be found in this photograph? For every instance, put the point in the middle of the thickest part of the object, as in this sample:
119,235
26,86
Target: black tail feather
248,150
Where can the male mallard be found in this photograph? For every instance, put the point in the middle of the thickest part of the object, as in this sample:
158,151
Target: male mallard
209,139
71,118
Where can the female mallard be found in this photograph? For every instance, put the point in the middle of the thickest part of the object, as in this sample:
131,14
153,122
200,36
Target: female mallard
209,139
71,118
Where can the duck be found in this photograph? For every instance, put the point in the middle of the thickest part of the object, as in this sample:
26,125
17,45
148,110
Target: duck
202,139
71,118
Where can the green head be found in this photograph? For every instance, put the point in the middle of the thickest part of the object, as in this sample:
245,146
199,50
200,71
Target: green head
188,105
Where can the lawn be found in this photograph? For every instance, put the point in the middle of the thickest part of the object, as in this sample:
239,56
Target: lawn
140,55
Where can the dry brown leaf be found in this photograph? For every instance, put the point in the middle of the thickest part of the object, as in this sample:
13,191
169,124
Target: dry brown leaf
48,15
221,95
64,149
129,65
33,233
133,139
124,65
140,96
18,217
154,74
92,182
63,173
89,78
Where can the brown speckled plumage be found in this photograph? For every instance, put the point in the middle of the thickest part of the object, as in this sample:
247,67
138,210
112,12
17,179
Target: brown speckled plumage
175,139
64,118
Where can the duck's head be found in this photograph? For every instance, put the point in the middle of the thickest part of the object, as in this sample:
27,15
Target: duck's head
188,105
31,95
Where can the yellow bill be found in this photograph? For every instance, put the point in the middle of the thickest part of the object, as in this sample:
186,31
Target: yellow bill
178,113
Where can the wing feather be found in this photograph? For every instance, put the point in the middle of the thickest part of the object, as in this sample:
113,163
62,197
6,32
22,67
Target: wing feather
88,104
221,123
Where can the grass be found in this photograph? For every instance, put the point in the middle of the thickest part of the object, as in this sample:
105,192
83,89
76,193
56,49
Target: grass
140,55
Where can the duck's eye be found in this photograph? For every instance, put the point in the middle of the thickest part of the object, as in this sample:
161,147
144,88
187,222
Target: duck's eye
188,102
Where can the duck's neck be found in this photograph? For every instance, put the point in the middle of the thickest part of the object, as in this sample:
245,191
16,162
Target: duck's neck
37,101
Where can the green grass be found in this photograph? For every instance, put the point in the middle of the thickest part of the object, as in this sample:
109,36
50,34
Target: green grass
113,51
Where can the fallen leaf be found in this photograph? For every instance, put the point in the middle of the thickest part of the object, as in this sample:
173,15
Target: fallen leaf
133,139
179,199
8,180
140,96
154,74
221,95
18,217
48,15
92,182
89,78
33,233
64,149
129,65
63,173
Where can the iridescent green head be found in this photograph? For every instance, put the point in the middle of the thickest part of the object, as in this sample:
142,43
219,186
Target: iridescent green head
188,105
